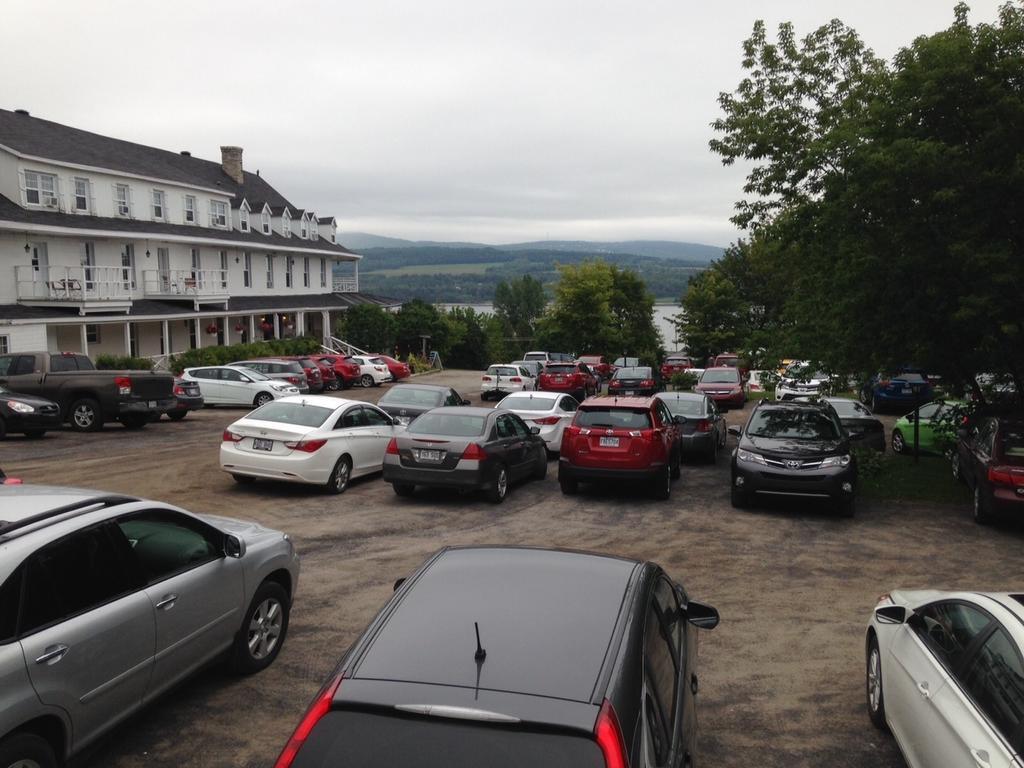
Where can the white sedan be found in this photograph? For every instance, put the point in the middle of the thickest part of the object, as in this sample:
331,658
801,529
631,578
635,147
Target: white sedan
311,439
500,380
945,675
551,412
372,370
232,385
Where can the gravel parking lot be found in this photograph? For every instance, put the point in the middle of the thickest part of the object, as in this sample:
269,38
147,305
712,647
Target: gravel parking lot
781,679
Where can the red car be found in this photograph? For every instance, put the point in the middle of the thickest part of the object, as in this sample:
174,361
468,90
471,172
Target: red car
724,385
346,372
397,368
626,438
675,364
599,365
312,369
575,378
990,459
731,360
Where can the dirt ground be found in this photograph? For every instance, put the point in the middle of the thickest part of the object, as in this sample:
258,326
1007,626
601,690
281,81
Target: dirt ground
781,677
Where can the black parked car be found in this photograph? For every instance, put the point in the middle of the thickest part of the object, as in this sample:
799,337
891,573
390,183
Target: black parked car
404,402
187,397
641,381
702,430
27,414
790,448
466,448
863,427
513,656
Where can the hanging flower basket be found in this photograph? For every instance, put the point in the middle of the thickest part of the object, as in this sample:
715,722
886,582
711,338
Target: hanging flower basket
211,329
239,327
266,327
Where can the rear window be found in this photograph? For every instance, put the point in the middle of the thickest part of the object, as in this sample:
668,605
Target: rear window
536,356
364,740
560,370
454,425
63,362
403,396
614,418
687,407
1011,444
633,373
850,408
292,413
526,403
590,360
502,370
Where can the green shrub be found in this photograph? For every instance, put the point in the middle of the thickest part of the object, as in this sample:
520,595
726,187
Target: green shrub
683,380
870,463
304,345
122,363
418,364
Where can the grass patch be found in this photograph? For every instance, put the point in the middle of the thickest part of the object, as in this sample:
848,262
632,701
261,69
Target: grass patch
435,269
755,396
898,478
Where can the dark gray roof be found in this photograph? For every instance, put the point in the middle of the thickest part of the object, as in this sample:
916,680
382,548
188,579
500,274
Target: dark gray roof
11,211
325,219
43,138
150,307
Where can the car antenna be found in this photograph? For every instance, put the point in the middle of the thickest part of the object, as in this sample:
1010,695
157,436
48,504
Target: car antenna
480,654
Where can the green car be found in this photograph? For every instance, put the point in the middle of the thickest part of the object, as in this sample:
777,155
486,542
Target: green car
936,428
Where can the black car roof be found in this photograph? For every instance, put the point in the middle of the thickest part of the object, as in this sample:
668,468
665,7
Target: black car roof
546,620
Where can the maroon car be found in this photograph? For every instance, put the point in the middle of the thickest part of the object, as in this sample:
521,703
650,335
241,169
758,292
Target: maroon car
724,385
397,368
675,364
575,378
599,365
990,459
346,371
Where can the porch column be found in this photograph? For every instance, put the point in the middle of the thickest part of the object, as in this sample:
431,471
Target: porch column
356,262
300,323
165,330
128,339
326,327
84,339
227,331
252,328
199,332
277,326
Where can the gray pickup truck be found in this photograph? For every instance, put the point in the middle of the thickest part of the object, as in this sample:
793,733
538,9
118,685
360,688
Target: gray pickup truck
88,397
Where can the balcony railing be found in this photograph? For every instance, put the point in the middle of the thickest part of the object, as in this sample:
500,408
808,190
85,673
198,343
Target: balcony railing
74,284
187,283
346,285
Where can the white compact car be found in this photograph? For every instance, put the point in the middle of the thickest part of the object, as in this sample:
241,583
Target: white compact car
372,370
232,385
311,439
945,675
801,380
551,412
501,380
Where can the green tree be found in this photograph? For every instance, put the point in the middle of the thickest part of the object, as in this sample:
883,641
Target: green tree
713,319
632,313
468,341
369,327
416,319
519,303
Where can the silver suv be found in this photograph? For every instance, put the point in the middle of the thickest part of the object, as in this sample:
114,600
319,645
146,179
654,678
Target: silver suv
106,601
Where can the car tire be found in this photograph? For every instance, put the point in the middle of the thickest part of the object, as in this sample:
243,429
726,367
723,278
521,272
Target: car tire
873,685
176,415
982,516
85,415
265,625
34,434
262,399
899,445
712,457
541,471
404,490
738,498
135,422
243,479
570,486
27,749
661,485
954,465
366,380
498,488
340,476
875,404
675,464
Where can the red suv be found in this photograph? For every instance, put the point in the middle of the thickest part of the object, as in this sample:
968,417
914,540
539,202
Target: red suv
599,365
346,371
575,378
675,364
623,438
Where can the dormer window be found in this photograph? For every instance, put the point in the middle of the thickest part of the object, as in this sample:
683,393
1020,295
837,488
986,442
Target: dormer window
286,225
265,221
122,200
243,219
218,213
40,189
304,228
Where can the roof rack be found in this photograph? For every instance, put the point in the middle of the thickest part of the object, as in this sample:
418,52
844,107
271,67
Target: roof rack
78,506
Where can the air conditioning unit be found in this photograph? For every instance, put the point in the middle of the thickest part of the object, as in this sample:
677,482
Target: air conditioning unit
123,210
50,202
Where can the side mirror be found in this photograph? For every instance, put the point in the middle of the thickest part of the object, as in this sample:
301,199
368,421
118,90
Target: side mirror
701,615
736,431
233,546
467,402
398,584
679,419
534,430
891,614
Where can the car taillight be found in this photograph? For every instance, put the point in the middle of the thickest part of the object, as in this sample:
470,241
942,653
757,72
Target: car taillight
392,448
647,383
294,379
179,390
703,425
516,380
609,738
230,437
306,446
123,384
884,383
547,420
614,384
485,378
320,706
474,452
1005,476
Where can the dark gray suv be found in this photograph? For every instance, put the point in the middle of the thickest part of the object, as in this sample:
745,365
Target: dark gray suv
499,656
107,601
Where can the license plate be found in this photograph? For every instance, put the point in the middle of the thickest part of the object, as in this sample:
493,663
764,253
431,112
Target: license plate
262,445
609,442
559,379
152,403
428,454
629,392
908,390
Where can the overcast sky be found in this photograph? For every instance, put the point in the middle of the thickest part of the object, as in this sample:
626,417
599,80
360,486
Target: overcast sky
434,119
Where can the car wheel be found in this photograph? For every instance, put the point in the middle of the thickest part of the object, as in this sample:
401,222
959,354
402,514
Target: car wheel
675,464
27,750
176,415
135,422
262,399
263,630
85,415
899,445
661,486
366,380
873,684
981,514
738,498
403,489
338,481
243,479
498,489
35,434
954,464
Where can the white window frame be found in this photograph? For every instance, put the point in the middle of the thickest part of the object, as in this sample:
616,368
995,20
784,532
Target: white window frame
334,233
304,228
159,205
189,208
123,202
218,214
305,272
197,263
286,224
270,270
5,344
224,269
92,333
243,219
128,266
85,196
34,185
289,264
265,219
89,262
323,273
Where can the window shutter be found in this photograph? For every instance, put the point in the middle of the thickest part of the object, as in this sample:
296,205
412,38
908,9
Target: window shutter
131,213
58,192
113,196
92,200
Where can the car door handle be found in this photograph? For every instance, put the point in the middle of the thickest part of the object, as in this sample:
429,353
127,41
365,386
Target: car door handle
922,688
52,654
694,687
167,602
980,757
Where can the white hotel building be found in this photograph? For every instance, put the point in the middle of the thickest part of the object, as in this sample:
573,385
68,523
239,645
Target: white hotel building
110,247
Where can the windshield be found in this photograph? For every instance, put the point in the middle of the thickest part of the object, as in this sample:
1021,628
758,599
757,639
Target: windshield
804,372
410,396
691,406
720,377
792,424
1011,444
502,370
300,414
614,418
633,373
526,403
590,360
452,424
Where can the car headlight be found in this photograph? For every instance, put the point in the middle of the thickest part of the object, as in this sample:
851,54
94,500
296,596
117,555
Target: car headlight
403,420
836,461
17,407
750,458
786,383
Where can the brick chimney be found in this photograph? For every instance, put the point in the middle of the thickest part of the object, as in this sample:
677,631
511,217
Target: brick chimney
231,162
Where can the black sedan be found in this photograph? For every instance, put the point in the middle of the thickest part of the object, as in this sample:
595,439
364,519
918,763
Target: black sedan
466,448
27,414
499,656
864,429
187,397
793,449
640,381
702,429
404,402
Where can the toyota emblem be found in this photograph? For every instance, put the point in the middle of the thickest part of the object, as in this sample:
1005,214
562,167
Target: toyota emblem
793,464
